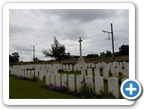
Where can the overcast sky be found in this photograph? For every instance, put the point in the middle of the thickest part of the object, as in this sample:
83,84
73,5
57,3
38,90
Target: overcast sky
38,27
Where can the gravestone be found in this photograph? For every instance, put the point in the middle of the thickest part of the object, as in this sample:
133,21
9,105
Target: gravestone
29,74
64,67
119,68
75,69
48,81
32,73
41,76
112,67
96,72
64,79
20,72
88,65
83,72
113,86
105,73
89,72
58,80
25,73
36,73
71,83
67,67
99,84
79,79
114,72
53,79
70,67
125,73
89,81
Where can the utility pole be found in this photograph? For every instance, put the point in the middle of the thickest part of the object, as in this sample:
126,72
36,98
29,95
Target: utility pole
33,52
112,39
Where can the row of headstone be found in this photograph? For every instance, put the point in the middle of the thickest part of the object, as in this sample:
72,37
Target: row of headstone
115,73
98,83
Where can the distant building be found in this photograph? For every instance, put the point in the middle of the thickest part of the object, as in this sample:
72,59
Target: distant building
116,53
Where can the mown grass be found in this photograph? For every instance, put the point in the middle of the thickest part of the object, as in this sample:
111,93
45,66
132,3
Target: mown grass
24,89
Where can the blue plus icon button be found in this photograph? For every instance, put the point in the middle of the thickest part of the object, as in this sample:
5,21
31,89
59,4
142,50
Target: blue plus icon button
130,89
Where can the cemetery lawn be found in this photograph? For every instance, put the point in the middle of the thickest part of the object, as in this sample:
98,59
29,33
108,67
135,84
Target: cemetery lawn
24,89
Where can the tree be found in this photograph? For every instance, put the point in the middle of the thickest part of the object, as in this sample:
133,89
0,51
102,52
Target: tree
124,50
35,59
108,53
14,57
67,56
57,51
102,54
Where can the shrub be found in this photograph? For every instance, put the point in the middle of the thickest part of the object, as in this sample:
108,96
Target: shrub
35,78
61,89
86,90
105,95
60,70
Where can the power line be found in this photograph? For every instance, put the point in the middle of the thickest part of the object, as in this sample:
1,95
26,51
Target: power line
106,27
122,30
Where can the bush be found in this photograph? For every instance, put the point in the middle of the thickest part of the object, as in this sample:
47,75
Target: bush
105,95
35,78
61,89
60,70
86,90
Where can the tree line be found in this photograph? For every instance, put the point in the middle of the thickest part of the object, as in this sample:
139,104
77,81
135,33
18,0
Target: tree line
58,52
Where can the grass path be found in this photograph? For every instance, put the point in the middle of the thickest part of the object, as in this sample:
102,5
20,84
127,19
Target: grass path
23,89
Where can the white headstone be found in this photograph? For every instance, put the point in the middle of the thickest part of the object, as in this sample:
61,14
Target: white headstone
64,79
75,69
96,72
119,68
83,72
20,72
32,73
125,73
23,73
106,73
79,79
71,83
53,79
113,86
67,67
99,84
48,81
70,67
114,72
89,81
64,67
29,76
58,80
41,76
26,73
36,73
89,72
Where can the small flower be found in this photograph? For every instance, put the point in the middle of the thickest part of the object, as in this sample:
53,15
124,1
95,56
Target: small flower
82,82
52,87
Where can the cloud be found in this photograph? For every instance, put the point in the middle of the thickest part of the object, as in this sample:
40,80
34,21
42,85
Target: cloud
39,26
83,15
14,28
